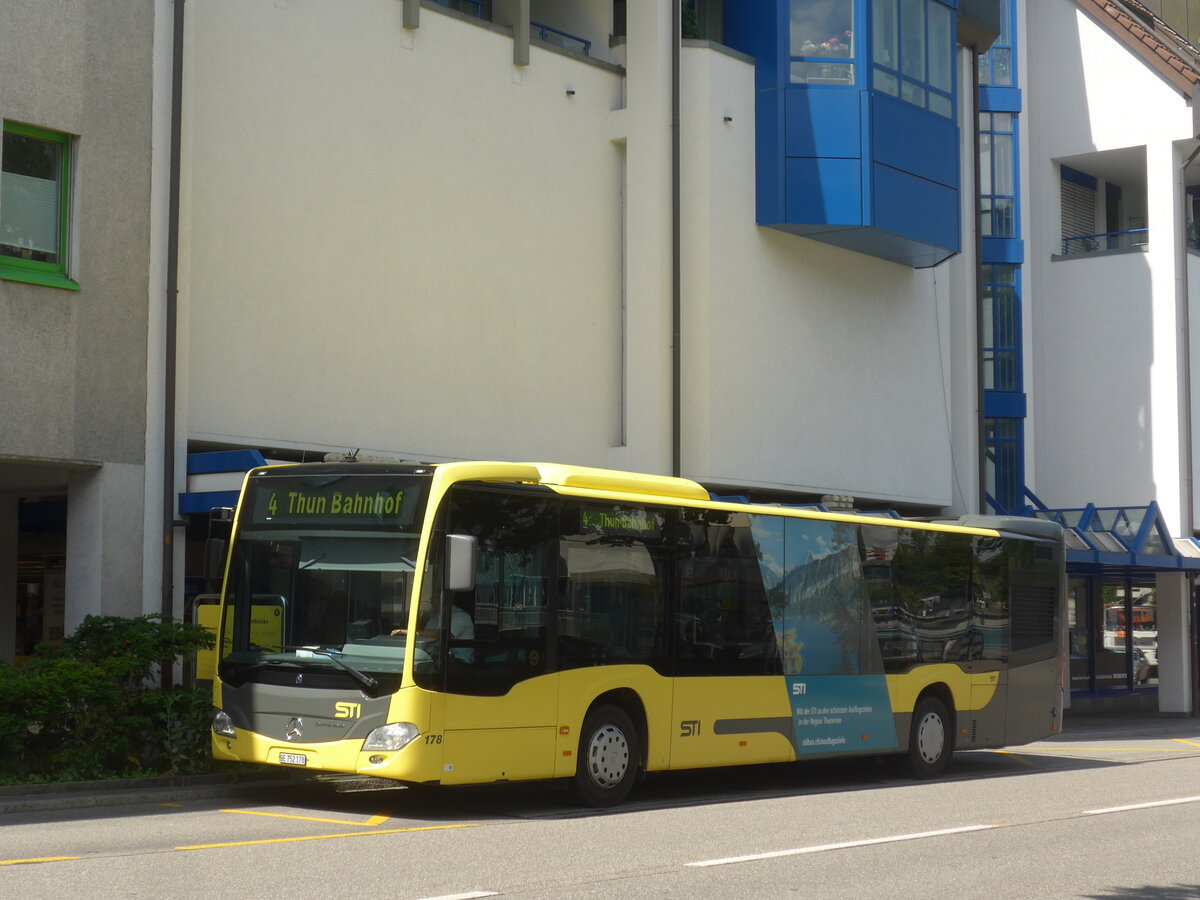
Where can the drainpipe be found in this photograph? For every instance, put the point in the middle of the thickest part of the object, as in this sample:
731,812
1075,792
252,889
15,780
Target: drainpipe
168,497
981,430
676,260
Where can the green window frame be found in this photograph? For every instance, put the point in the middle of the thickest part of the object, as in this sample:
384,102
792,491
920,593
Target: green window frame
35,205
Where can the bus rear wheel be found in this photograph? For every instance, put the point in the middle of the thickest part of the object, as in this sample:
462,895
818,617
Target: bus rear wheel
609,758
930,739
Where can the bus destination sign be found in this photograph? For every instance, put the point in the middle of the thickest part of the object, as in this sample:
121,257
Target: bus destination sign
355,500
619,522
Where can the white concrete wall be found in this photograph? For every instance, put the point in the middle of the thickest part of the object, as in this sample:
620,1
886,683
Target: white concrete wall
419,249
1174,643
1091,393
398,241
1192,263
807,366
104,512
1105,386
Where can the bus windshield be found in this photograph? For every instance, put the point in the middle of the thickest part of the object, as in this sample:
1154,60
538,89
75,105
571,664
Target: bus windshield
320,579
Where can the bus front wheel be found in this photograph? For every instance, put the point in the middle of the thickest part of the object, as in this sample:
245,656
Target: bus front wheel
608,759
930,739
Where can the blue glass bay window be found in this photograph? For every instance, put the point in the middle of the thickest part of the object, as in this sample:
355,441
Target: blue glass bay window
858,141
912,53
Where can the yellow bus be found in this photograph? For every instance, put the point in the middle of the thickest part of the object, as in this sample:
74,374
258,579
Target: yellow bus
481,622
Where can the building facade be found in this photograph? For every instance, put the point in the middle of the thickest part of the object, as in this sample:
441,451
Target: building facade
80,290
787,248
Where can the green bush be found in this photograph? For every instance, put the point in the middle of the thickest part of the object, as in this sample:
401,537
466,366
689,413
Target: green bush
91,708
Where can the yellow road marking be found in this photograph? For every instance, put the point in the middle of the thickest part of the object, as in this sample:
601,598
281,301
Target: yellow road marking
1015,756
1182,741
180,805
1038,750
43,859
325,837
370,823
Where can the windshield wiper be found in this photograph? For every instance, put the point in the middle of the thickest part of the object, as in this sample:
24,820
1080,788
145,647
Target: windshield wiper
361,677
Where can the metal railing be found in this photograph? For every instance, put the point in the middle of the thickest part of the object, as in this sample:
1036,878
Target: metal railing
558,38
1106,240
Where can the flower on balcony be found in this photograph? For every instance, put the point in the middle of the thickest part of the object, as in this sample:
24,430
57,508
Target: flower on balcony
833,46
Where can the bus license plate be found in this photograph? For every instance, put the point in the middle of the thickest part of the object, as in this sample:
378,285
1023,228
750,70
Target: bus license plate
293,759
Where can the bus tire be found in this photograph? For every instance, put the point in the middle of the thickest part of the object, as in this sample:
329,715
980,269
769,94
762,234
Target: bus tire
609,758
930,739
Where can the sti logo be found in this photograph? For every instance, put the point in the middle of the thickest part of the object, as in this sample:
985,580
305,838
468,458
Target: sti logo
689,728
347,710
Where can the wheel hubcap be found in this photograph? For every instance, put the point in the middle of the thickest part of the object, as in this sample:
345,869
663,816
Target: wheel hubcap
931,738
608,756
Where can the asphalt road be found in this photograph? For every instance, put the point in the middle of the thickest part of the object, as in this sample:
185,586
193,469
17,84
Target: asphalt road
1102,815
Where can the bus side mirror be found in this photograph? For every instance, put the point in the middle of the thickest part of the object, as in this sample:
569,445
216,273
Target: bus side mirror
460,562
214,559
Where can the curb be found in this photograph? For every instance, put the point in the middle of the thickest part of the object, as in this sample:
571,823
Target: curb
1133,726
23,798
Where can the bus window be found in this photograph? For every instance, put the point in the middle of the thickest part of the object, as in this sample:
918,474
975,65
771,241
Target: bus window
929,619
826,617
613,599
723,625
508,606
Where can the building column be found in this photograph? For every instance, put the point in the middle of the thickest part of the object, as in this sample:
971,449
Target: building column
646,127
104,544
1167,391
9,507
1175,676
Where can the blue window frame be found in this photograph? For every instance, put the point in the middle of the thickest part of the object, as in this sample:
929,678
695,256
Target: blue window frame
1004,475
1001,326
912,52
998,175
999,65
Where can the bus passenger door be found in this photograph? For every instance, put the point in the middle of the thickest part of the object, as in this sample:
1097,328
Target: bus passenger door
499,707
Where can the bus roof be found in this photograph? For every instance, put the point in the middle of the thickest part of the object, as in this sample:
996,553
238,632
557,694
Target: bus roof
589,481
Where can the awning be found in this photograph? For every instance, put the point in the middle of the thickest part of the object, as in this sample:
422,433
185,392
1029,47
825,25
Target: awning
214,480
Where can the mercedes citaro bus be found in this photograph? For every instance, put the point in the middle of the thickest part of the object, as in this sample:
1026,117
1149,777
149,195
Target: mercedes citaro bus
479,622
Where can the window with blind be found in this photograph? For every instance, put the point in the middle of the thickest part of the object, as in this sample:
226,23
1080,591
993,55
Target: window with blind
1078,212
35,166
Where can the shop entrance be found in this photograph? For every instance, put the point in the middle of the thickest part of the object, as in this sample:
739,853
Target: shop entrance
41,573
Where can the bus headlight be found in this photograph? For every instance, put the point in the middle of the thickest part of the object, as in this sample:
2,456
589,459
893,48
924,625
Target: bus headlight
391,737
223,725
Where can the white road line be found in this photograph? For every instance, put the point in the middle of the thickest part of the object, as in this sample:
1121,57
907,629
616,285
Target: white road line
821,848
1113,809
470,895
